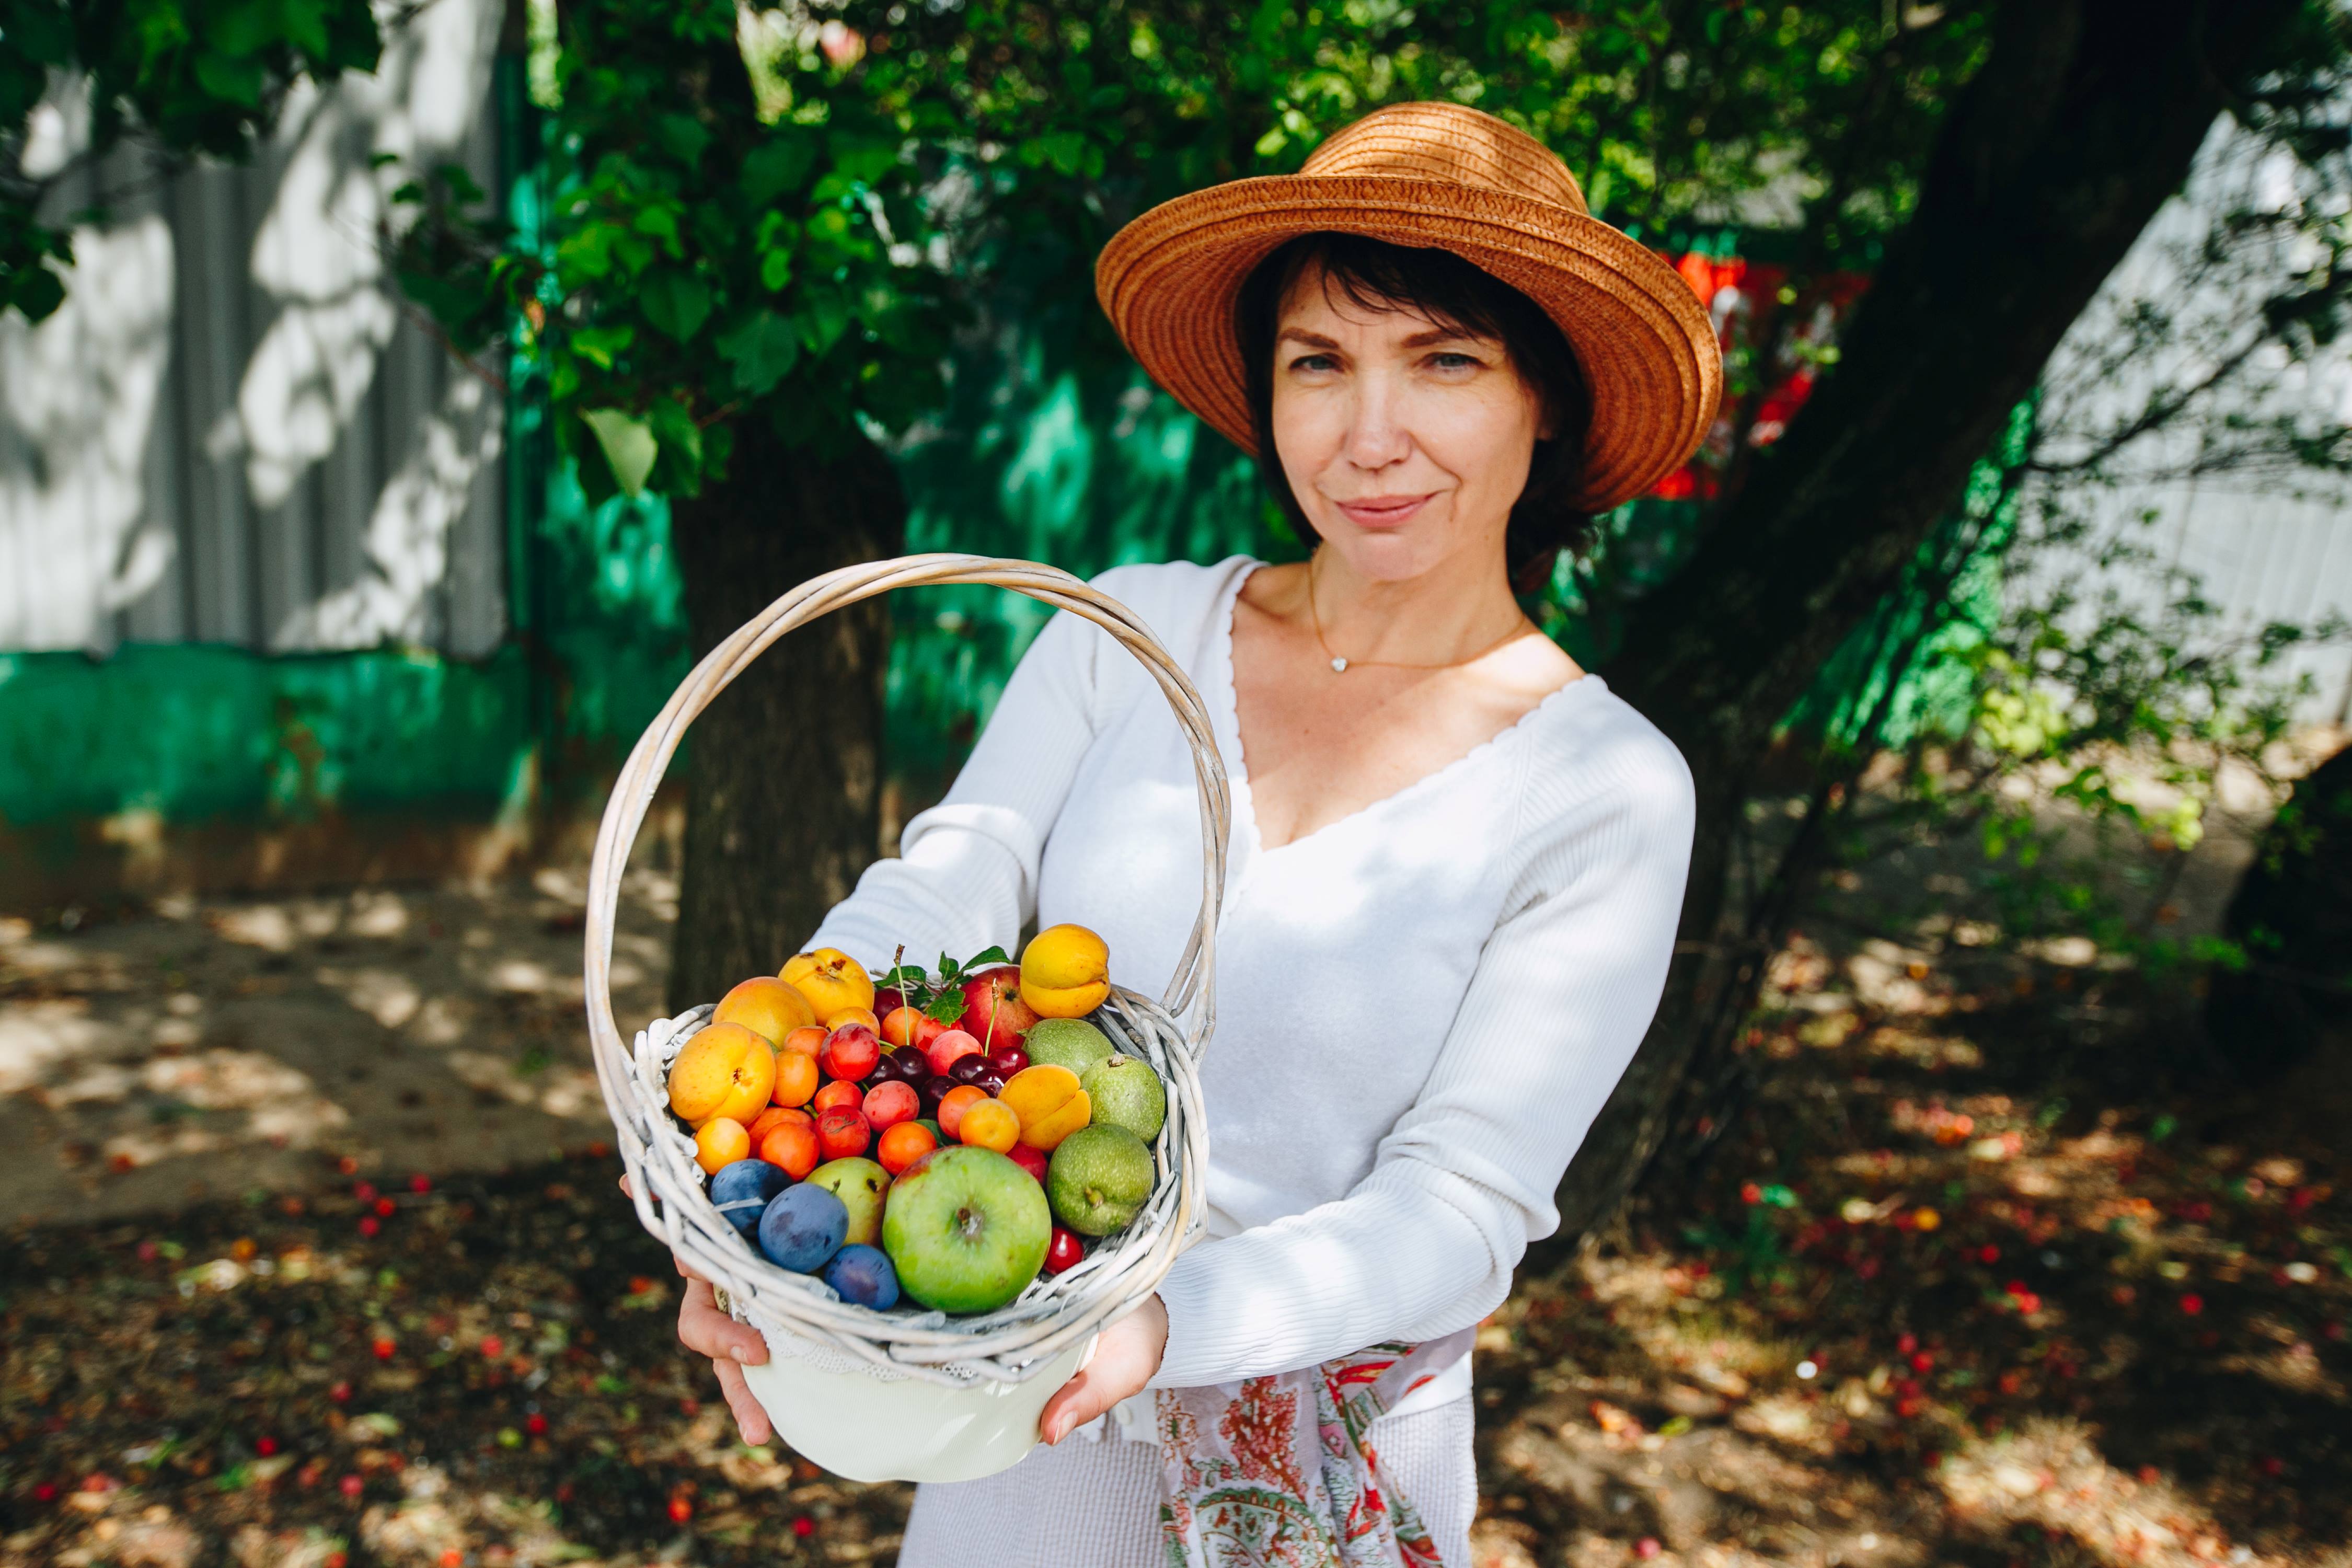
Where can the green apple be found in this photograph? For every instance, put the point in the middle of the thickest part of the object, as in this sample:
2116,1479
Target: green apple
966,1229
862,1186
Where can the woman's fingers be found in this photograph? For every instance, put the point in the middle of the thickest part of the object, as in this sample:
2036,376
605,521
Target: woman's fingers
1124,1361
705,1330
751,1420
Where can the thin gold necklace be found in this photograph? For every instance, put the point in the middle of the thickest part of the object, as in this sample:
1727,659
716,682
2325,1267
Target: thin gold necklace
1341,664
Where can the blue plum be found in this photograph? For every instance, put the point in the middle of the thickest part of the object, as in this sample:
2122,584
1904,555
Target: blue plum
863,1274
802,1227
743,1190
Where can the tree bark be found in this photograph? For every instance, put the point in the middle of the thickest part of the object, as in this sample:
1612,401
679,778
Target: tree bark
784,770
2294,912
2081,122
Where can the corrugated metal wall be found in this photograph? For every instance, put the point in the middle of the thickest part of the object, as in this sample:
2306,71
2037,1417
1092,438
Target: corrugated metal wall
234,431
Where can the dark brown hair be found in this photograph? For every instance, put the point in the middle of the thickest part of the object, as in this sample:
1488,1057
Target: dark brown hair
1375,275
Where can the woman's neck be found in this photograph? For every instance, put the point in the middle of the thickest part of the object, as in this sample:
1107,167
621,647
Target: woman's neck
1455,610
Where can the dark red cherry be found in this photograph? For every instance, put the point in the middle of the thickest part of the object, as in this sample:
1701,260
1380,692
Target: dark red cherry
1007,1060
969,1070
935,1088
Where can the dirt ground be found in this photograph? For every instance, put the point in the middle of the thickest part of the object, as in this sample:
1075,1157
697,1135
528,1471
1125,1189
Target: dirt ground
313,1262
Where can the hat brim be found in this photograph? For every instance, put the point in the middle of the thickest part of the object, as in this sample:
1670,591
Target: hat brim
1168,281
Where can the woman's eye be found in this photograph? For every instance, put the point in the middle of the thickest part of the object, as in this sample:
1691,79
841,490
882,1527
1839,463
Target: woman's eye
1455,361
1313,362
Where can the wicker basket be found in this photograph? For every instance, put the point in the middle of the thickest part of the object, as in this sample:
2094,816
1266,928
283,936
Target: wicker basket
977,1382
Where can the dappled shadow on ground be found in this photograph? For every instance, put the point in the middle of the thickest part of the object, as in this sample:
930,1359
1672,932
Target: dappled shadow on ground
202,1049
1910,1314
1965,1283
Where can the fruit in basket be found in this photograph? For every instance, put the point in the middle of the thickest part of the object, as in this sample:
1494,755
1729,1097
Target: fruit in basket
791,1145
860,1185
1066,1249
949,1046
1050,1102
935,1088
954,1103
1033,1161
994,1013
990,1124
802,1227
724,1070
1065,973
837,1096
808,1041
966,1229
796,1077
719,1142
889,1103
769,1119
1007,1060
1071,1043
769,1008
969,1070
831,980
861,1274
742,1191
908,1065
1099,1180
842,1132
904,1026
859,1015
901,1146
850,1052
1127,1093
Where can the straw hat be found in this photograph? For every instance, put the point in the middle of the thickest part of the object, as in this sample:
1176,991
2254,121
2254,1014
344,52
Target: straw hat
1445,176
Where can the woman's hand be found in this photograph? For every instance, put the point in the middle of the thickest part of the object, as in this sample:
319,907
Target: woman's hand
1124,1361
732,1346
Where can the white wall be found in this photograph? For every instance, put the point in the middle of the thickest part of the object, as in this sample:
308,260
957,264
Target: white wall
233,431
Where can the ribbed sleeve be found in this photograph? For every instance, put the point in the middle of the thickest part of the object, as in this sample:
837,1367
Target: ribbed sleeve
1564,990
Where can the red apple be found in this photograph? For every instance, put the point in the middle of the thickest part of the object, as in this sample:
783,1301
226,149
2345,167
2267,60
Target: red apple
994,1012
850,1052
1065,1251
951,1043
1030,1160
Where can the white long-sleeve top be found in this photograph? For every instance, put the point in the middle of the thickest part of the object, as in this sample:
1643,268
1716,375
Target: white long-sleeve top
1421,1008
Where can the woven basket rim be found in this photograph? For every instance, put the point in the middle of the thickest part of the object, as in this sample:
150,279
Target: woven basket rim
667,1186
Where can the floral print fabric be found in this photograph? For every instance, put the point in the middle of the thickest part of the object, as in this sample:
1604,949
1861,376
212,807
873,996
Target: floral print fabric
1280,1472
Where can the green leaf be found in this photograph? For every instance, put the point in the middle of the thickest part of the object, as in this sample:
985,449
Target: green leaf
763,350
862,158
779,164
238,80
598,345
678,435
985,956
775,270
823,319
946,1008
629,444
677,303
682,136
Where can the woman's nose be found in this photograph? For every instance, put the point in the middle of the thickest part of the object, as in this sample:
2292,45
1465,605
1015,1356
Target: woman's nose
1376,435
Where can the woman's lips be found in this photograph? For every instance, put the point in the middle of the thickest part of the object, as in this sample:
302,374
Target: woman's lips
1382,511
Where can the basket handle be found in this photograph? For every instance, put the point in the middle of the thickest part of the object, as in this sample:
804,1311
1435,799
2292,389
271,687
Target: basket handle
633,791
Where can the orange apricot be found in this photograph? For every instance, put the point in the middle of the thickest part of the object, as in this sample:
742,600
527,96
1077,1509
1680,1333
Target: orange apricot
767,1007
1050,1102
855,1015
831,980
796,1077
990,1124
904,1144
955,1102
808,1041
1065,971
725,1070
793,1146
721,1141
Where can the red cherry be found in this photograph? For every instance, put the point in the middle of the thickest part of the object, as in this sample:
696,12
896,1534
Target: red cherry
1063,1251
1030,1160
1007,1060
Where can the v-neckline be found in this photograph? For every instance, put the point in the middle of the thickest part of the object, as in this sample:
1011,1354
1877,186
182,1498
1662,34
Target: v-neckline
1253,846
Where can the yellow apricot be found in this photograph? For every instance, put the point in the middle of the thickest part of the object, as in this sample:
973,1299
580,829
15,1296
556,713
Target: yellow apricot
769,1008
1065,971
832,981
725,1070
1049,1102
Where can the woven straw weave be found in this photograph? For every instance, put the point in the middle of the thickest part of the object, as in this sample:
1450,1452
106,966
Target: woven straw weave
1051,1315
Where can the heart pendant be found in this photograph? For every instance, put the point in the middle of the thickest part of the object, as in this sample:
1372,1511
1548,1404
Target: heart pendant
1338,665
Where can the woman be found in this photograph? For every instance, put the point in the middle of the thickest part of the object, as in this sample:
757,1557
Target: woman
1457,858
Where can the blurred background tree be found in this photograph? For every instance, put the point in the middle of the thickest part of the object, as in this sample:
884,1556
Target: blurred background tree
182,77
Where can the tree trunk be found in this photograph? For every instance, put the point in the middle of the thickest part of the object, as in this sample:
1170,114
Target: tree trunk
2294,912
2081,120
784,770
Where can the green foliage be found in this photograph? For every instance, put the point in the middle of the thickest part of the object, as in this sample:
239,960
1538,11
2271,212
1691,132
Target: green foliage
182,77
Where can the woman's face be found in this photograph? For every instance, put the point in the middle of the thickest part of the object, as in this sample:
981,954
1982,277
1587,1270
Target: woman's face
1406,441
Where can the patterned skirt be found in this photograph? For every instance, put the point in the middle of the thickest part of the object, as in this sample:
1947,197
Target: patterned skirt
1304,1471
